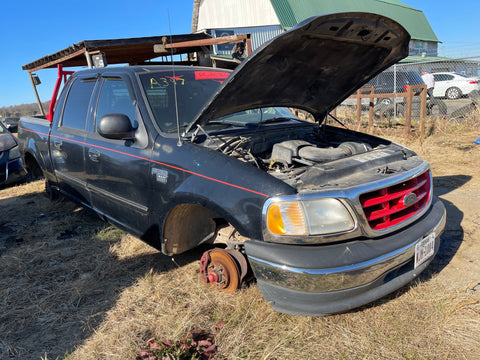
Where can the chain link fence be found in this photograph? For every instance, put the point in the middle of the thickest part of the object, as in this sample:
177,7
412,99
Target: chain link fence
384,99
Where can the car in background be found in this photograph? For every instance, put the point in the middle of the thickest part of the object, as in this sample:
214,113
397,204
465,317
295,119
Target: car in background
11,169
389,82
11,123
454,85
394,82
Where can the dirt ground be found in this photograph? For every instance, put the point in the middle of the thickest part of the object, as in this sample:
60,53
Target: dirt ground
64,274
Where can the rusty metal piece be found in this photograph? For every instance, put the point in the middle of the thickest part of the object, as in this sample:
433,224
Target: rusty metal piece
204,260
207,42
229,235
241,261
220,270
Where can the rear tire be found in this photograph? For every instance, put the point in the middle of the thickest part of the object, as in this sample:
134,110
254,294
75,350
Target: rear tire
464,111
436,107
34,171
453,93
387,112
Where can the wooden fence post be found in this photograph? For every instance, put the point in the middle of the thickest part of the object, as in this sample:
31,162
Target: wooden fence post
408,111
370,109
359,109
423,109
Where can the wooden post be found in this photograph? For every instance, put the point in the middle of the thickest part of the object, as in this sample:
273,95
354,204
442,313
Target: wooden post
248,45
370,110
42,111
423,109
359,109
334,112
408,111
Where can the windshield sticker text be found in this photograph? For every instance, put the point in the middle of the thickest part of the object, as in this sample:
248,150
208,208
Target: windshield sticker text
166,81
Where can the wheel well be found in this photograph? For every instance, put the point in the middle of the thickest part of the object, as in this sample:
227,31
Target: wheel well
32,166
187,226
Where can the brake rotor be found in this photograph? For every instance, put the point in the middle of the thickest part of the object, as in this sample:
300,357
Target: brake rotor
220,269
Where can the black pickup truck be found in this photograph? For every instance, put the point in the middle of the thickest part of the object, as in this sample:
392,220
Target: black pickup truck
327,219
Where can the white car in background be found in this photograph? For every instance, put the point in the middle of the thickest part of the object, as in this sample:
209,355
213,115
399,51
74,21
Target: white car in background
454,85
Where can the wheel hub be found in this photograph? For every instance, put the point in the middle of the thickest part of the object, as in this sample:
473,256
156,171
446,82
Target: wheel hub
220,270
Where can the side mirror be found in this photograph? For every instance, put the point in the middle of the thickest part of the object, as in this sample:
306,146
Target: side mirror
116,126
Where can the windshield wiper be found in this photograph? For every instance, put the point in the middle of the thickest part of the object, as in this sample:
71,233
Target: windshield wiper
275,120
225,122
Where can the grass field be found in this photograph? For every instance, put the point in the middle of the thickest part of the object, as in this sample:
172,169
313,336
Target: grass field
72,286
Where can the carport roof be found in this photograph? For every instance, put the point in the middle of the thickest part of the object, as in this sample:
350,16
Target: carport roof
117,51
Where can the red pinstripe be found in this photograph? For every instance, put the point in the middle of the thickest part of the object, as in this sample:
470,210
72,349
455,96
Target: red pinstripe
150,160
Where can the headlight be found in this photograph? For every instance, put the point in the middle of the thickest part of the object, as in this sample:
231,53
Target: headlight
14,153
308,217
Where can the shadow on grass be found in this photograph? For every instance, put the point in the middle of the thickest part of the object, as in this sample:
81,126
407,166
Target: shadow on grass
59,276
444,184
453,235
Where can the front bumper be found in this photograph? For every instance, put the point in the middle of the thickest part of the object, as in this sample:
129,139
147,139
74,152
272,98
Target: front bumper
327,279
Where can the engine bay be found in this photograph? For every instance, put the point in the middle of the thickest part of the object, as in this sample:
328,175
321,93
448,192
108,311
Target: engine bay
302,153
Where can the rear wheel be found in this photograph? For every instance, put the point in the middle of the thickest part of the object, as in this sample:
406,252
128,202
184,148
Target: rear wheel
462,112
385,101
453,93
34,171
436,107
387,112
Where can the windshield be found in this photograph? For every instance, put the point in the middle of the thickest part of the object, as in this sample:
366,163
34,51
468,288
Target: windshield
193,88
256,116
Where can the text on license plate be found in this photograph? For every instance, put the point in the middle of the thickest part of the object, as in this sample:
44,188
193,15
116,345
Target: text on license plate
424,249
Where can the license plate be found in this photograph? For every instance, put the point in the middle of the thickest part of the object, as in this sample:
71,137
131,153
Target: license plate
424,249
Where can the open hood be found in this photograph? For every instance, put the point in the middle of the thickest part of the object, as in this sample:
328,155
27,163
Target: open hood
314,66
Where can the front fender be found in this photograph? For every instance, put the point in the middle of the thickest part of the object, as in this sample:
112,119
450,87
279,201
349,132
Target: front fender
244,214
193,174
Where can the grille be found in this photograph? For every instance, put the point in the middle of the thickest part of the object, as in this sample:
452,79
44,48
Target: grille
395,204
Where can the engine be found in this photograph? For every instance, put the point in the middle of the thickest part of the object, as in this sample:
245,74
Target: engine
302,152
303,156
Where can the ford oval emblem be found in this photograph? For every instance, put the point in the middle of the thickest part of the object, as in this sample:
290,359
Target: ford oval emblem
409,199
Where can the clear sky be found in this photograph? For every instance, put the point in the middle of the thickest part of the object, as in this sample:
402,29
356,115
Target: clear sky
32,29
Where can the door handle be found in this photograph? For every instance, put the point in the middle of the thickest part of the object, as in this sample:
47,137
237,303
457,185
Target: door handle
57,144
93,154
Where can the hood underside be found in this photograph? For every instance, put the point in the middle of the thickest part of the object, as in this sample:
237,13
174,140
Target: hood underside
314,66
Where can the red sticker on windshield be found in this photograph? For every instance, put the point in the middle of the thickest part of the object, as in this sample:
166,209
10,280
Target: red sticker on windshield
211,75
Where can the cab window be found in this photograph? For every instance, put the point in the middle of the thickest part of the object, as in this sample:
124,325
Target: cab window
115,99
76,106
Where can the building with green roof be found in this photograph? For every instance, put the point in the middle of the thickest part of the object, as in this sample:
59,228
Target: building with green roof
264,19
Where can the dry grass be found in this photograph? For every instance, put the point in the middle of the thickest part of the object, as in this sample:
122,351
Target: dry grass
74,287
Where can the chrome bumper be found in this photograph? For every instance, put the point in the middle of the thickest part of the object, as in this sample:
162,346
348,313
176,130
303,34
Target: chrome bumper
329,273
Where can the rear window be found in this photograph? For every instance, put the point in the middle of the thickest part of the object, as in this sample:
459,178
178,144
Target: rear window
193,89
443,77
414,78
